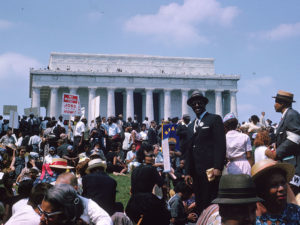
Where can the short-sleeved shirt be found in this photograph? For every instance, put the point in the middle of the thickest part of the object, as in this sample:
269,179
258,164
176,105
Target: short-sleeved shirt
237,144
129,156
79,129
176,208
113,129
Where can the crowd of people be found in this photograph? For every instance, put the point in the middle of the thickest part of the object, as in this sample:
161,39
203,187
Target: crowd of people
222,171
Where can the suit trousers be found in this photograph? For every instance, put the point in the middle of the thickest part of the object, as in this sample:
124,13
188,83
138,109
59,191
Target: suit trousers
205,191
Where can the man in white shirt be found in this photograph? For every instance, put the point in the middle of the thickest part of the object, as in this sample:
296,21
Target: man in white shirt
60,121
93,213
78,134
34,142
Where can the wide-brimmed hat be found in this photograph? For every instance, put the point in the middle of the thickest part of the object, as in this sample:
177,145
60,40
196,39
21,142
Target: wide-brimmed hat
263,166
196,95
284,96
236,189
60,164
95,163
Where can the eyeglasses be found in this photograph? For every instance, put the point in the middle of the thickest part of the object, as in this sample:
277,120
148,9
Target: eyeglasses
195,102
46,214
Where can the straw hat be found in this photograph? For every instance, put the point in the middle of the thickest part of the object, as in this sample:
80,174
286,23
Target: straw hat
260,168
236,189
60,164
284,96
95,163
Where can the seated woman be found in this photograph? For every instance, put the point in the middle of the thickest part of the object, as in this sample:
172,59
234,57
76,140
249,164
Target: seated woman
271,179
238,147
145,176
114,162
131,160
61,205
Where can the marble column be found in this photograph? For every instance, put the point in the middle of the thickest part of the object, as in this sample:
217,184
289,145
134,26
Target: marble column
110,101
143,105
184,98
73,90
219,107
124,106
167,103
149,104
233,104
129,103
92,94
53,101
36,96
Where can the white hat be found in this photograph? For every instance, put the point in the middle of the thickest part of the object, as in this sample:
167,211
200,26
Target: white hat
96,163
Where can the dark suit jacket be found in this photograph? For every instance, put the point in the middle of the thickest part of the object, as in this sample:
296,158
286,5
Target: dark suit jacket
152,136
182,133
207,148
285,147
101,188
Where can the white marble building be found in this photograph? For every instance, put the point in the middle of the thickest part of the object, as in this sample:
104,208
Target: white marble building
153,86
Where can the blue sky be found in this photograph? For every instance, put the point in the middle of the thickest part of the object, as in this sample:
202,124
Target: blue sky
259,40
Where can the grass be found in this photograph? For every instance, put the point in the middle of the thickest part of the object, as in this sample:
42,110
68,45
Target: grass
123,188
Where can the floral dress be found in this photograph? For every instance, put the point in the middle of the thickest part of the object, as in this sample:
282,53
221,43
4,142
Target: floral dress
289,216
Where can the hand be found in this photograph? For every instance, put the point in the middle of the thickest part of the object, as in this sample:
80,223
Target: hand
260,209
192,217
80,143
270,153
217,172
188,180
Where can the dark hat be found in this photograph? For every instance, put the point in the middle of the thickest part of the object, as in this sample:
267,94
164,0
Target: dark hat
284,96
236,189
196,95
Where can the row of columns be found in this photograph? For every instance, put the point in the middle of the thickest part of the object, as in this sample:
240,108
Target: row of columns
149,110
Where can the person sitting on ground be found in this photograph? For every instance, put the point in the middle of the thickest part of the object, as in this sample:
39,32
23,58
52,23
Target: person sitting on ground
131,160
114,163
178,213
271,179
147,209
238,147
145,176
51,156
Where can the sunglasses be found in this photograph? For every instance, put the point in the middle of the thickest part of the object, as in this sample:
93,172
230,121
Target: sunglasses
46,214
194,103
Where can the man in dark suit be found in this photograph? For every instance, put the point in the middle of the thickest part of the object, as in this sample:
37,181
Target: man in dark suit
98,186
287,135
152,134
182,133
205,156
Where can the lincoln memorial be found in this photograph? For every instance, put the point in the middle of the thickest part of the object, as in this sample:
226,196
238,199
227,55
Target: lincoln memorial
153,86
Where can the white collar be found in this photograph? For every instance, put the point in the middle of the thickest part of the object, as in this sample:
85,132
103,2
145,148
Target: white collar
283,114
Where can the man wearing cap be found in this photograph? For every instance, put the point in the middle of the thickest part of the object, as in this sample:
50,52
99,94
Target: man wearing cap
206,151
287,135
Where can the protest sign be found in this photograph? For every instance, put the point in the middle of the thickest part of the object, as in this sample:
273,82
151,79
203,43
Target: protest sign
70,104
8,108
13,120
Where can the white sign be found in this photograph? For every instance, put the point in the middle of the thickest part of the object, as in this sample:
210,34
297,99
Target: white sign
35,111
166,155
95,107
70,104
13,120
8,108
